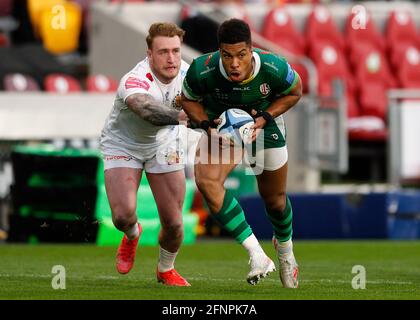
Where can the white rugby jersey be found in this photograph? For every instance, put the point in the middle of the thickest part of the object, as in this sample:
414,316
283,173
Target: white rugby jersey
123,126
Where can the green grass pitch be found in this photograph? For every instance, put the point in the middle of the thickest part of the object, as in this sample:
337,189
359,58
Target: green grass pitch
216,270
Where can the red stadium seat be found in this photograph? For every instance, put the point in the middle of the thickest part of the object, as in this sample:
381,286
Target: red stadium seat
20,82
409,70
374,79
321,30
279,28
303,73
332,65
101,83
400,33
61,83
362,38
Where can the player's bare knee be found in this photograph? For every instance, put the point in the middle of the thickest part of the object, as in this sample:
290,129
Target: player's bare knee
123,218
207,186
276,202
174,229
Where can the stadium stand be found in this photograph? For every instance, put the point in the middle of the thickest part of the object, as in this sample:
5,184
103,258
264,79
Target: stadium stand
278,27
101,83
362,39
409,70
20,82
400,33
61,83
321,31
331,65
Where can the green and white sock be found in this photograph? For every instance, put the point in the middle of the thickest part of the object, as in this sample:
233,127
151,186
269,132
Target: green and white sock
282,222
232,218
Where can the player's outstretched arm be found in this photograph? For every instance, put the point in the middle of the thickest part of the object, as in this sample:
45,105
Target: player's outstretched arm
194,110
152,110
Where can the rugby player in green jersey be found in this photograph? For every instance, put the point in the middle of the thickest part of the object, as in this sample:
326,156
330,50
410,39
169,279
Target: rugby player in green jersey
263,84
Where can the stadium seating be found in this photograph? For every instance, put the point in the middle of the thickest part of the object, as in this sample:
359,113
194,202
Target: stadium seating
374,79
57,37
400,34
279,28
331,65
61,83
362,39
101,83
409,71
20,82
321,30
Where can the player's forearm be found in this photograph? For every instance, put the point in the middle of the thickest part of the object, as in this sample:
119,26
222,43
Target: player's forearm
194,110
281,105
151,110
284,103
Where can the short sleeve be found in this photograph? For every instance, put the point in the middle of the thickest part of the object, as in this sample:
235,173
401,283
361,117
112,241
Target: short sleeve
191,85
133,83
290,79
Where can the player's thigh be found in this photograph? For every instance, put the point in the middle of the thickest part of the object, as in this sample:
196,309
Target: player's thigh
213,163
168,189
121,187
272,182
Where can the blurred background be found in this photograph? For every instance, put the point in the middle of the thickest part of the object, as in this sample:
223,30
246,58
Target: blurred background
353,139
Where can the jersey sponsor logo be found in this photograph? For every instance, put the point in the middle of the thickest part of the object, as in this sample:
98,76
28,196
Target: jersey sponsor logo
290,74
207,70
241,88
265,89
110,158
149,76
134,83
271,65
265,52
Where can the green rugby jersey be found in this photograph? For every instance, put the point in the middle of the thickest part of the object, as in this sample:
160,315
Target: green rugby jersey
206,81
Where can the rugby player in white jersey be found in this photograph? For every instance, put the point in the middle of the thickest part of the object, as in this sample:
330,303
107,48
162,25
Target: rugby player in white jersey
142,133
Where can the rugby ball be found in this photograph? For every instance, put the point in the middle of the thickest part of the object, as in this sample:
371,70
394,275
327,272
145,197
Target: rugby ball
235,124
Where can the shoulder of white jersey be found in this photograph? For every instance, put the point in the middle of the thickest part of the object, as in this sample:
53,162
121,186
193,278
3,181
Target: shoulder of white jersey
141,69
137,80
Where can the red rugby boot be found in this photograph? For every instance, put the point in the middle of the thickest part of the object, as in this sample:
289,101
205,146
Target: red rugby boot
171,278
127,252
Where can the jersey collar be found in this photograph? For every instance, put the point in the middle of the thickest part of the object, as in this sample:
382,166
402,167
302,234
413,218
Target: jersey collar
254,74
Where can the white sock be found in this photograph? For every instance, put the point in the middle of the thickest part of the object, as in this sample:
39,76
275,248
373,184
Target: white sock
133,232
285,248
252,245
166,260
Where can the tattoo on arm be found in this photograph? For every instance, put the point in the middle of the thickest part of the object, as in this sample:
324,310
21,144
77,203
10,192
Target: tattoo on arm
152,110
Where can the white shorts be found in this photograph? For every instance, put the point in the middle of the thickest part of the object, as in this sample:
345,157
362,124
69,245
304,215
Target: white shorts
267,159
171,154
